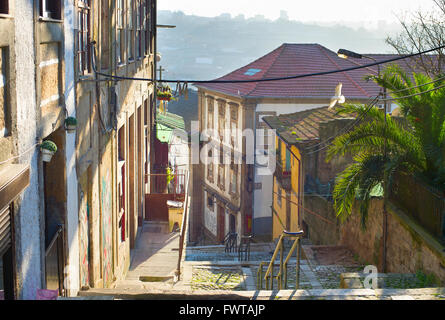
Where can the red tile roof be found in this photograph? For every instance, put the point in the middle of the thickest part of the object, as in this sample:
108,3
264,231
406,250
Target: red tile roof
303,126
295,59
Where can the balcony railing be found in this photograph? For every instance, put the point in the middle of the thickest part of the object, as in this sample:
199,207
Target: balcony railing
421,202
283,176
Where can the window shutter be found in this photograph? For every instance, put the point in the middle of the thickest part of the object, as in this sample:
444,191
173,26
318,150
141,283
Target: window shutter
5,231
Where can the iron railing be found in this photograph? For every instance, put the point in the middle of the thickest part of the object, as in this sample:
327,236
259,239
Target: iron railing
281,277
184,225
244,248
160,184
231,242
55,262
423,203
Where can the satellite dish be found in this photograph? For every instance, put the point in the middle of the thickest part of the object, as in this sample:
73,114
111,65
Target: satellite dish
338,98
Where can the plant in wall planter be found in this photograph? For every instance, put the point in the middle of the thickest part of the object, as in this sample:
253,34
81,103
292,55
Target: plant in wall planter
164,93
71,124
48,148
165,96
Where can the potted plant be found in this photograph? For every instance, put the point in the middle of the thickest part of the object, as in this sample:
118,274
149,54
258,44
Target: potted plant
164,92
70,124
48,148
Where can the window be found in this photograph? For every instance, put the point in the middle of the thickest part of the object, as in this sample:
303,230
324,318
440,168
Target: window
233,124
146,17
234,179
288,166
120,36
210,167
4,109
210,202
105,35
221,119
130,29
221,176
279,196
210,114
4,6
83,37
51,9
139,28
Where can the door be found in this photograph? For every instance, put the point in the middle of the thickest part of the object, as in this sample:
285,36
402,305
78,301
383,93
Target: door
220,224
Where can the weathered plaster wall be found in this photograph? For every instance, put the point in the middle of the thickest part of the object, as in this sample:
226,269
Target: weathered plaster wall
29,250
72,219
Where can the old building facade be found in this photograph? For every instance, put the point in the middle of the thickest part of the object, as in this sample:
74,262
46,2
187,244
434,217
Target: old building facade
114,132
71,221
273,98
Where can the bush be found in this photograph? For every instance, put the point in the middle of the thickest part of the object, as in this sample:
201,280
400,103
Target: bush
71,121
49,145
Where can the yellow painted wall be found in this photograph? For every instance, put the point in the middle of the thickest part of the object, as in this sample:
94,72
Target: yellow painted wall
279,212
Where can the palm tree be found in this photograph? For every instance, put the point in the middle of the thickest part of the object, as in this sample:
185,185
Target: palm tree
415,142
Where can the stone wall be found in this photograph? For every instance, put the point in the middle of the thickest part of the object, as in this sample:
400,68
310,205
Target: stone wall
409,247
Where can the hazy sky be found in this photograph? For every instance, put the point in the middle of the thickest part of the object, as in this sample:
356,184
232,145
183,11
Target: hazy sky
301,10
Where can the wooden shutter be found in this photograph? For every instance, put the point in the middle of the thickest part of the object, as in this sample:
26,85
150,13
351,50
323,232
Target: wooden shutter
5,231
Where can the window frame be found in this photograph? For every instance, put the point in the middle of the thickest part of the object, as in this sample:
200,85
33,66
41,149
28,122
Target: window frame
57,11
5,7
130,31
120,32
83,37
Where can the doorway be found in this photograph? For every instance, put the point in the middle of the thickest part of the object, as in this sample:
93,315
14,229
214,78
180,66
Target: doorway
221,226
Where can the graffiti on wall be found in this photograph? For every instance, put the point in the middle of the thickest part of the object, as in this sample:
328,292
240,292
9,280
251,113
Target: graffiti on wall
106,226
84,247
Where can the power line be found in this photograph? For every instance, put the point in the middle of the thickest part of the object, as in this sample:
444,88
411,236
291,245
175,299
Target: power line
366,112
19,155
305,209
265,79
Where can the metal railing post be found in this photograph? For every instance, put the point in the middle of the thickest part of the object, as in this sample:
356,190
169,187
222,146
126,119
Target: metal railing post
297,280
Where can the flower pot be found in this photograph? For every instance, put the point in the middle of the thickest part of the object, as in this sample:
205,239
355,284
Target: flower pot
47,155
164,98
70,128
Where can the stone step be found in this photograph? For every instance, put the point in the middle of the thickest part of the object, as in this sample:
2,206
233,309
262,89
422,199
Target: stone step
313,294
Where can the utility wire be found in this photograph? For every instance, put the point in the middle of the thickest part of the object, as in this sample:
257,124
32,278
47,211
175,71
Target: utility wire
268,79
379,100
21,154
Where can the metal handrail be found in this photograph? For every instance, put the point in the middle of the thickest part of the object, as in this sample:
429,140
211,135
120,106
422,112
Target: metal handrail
57,243
54,239
268,276
184,225
246,251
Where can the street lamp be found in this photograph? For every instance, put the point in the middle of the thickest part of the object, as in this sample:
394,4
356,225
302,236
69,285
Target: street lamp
343,53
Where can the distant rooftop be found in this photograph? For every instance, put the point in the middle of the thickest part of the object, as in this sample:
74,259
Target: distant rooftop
295,59
303,126
166,123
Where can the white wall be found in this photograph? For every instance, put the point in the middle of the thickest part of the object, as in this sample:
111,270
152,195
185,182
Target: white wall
28,237
72,272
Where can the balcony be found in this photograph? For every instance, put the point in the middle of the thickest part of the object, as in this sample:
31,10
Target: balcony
283,176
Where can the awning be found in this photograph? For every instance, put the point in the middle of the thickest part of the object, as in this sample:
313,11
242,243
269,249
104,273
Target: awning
14,178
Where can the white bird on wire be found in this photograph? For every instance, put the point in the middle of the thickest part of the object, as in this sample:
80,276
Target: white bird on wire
338,98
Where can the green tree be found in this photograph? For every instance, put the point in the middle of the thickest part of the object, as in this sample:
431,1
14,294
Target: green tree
415,142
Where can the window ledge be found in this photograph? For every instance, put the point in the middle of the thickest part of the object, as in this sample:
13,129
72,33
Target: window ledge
6,16
120,65
50,20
